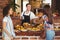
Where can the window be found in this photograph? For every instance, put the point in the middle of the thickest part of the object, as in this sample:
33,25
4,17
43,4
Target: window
24,4
47,2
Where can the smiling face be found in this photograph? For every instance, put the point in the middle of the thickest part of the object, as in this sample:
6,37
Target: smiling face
28,7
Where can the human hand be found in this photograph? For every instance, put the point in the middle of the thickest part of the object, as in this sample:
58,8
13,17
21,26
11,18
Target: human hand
11,37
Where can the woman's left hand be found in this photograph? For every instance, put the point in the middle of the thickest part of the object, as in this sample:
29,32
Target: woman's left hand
11,37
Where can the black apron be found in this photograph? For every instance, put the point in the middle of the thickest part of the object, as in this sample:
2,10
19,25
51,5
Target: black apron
26,18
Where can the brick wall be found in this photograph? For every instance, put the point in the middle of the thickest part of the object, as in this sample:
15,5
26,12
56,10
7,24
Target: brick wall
2,5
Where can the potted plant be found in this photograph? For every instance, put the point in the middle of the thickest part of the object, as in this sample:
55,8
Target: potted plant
14,6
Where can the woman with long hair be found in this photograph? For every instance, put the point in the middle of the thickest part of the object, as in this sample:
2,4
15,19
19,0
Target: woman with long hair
48,23
8,30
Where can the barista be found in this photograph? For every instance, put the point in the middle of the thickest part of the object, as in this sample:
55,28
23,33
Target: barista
27,15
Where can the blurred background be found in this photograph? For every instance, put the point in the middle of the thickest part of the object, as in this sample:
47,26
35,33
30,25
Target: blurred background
20,5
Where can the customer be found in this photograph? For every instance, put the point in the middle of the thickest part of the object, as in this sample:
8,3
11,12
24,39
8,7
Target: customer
48,22
39,19
8,30
27,15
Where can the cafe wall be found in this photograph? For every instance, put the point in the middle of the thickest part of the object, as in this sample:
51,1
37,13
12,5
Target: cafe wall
35,3
2,5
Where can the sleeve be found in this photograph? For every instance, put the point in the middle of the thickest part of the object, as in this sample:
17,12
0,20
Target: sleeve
32,16
5,19
44,16
22,15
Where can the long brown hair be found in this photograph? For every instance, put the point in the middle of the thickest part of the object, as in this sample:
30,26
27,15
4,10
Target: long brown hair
48,12
6,10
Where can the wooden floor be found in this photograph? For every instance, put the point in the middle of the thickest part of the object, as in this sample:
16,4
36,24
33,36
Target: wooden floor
32,39
56,38
36,39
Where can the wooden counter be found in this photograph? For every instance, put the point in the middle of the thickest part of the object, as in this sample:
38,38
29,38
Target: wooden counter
29,33
16,20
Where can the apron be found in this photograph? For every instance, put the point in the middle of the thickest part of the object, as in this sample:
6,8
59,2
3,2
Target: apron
26,18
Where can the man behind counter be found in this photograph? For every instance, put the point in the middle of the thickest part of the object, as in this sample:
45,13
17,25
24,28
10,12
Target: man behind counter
27,15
